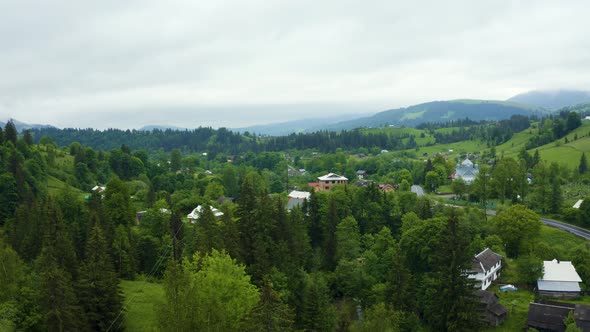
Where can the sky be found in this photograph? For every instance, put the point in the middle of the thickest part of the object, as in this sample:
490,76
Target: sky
125,64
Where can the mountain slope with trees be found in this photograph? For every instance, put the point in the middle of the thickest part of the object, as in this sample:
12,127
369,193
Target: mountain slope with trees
551,99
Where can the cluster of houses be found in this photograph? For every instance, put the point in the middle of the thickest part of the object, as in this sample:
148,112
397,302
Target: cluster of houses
560,281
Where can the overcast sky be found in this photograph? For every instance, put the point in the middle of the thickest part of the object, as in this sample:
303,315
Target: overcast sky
129,63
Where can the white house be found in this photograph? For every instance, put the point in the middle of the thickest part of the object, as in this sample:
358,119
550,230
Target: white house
196,213
578,204
328,180
560,280
99,189
485,268
361,174
467,171
296,198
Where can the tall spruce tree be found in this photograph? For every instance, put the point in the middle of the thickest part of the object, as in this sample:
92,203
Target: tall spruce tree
583,167
98,286
448,300
59,302
10,132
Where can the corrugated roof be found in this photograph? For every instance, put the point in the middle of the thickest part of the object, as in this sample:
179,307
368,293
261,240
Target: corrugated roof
299,194
549,317
558,286
560,271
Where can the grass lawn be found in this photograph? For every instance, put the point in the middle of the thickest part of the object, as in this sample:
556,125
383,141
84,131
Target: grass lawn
141,301
556,238
517,304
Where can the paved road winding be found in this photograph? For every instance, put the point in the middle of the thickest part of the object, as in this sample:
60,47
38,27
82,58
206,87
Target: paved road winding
567,227
583,233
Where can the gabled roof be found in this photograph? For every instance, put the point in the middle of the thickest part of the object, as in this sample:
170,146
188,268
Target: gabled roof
332,177
547,317
361,172
299,194
560,271
578,204
196,213
467,162
486,259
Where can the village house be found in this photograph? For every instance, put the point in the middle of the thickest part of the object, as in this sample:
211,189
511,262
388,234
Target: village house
560,280
491,312
196,213
386,187
361,174
550,316
485,268
327,181
297,198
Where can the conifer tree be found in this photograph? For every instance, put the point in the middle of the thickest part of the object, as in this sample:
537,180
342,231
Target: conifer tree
271,313
98,286
448,300
59,302
10,132
583,167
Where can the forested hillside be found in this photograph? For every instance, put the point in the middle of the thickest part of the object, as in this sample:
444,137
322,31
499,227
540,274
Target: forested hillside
355,258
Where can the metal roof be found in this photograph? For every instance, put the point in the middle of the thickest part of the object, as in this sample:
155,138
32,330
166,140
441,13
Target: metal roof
560,271
558,286
332,177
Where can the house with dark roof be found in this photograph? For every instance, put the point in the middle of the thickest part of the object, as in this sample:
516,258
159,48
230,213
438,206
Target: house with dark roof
485,268
550,316
491,312
560,280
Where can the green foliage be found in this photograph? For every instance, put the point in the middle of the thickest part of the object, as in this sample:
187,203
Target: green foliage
348,239
516,226
98,289
270,314
211,293
529,269
142,300
318,313
570,323
583,167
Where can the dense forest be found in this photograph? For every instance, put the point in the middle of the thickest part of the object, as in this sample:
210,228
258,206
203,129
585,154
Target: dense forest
355,258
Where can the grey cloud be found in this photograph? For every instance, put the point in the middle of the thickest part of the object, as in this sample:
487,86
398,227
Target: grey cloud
66,62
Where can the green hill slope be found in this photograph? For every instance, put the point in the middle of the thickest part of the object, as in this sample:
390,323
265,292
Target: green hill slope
442,111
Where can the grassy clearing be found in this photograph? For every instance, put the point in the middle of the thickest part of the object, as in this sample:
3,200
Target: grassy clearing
556,238
517,304
55,185
141,302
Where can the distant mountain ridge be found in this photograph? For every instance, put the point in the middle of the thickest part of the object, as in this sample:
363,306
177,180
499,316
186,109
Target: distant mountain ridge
552,99
20,126
442,111
297,126
160,127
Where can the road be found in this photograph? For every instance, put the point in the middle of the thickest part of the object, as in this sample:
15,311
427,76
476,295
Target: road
567,227
559,225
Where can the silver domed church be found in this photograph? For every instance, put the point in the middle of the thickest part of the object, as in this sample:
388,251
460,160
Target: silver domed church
467,171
